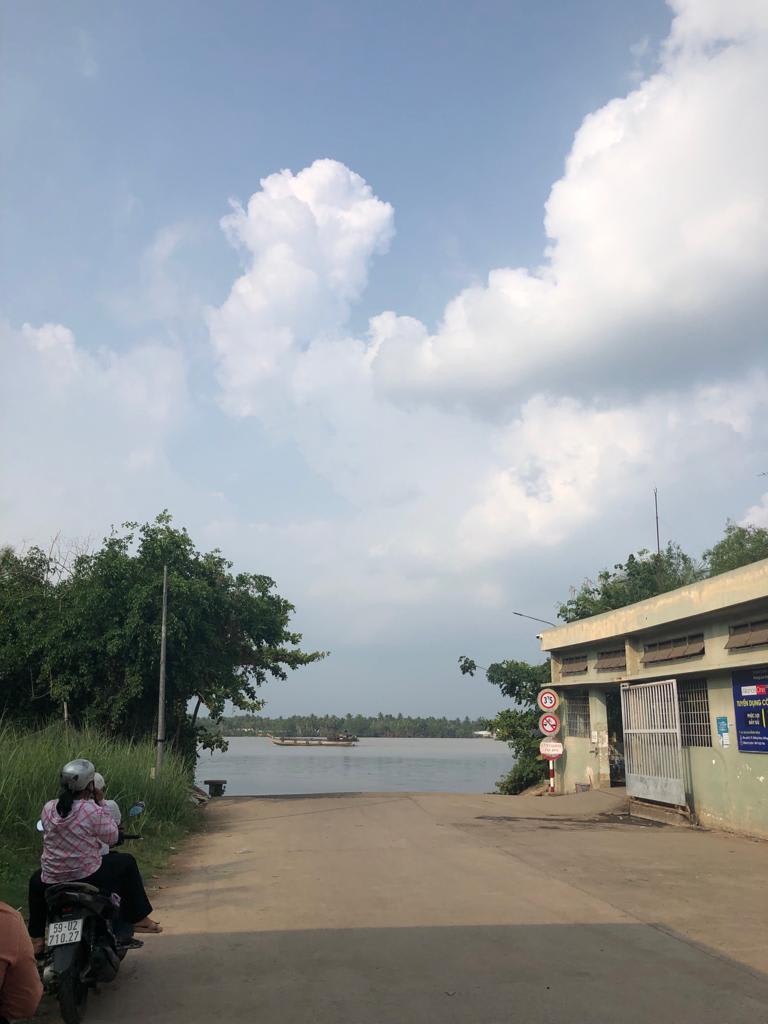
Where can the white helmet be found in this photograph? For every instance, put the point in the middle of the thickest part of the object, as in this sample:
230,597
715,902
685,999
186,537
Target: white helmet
77,775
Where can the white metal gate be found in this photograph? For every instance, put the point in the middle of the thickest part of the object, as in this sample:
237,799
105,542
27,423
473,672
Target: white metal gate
652,748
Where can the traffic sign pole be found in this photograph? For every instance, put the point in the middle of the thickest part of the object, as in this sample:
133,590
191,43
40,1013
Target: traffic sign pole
549,723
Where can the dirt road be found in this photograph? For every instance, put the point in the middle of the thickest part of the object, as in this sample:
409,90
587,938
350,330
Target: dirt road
379,909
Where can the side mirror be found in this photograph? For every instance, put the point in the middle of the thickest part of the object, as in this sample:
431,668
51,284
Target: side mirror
137,809
39,826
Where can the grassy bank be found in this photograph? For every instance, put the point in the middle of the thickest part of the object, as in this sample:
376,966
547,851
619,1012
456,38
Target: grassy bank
29,774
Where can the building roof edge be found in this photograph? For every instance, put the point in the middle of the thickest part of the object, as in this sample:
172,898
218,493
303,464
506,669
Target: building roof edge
738,586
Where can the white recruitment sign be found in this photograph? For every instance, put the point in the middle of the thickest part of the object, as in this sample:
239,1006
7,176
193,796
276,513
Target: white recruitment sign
548,700
551,749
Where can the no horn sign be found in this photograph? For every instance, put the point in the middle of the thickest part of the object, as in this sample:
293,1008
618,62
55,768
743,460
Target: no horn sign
549,724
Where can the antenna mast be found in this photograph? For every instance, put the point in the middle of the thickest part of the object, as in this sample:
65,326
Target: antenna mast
656,506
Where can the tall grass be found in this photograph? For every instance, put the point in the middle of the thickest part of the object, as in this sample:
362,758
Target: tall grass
30,763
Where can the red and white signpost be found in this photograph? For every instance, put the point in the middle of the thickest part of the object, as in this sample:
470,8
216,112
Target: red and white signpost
549,723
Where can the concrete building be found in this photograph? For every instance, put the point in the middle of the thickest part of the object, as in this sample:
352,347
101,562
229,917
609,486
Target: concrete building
671,695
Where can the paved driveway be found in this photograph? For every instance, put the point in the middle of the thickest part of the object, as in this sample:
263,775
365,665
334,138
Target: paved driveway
439,908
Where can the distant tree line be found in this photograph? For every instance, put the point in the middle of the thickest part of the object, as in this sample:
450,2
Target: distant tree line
381,725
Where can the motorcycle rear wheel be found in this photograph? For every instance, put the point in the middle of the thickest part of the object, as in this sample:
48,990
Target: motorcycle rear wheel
72,993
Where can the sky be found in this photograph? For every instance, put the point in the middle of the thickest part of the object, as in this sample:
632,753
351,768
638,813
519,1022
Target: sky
408,306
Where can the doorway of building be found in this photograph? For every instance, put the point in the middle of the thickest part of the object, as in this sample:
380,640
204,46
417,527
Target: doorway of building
615,736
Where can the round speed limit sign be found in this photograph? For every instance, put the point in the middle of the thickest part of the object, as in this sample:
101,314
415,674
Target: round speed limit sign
548,700
549,724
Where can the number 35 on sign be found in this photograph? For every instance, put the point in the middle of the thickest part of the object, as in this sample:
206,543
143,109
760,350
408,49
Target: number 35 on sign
548,700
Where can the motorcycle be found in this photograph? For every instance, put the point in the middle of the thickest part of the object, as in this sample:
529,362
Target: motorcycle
87,939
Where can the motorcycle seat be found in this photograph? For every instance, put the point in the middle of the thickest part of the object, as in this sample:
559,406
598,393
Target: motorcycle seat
54,890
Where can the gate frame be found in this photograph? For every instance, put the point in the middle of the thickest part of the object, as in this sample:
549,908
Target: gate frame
653,743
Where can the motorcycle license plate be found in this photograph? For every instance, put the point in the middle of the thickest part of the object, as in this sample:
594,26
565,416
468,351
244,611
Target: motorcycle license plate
60,933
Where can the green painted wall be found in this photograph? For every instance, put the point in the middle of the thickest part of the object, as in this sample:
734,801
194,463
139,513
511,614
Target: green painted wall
585,760
572,766
727,788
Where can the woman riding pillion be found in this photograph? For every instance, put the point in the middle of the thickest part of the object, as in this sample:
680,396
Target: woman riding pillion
100,796
74,829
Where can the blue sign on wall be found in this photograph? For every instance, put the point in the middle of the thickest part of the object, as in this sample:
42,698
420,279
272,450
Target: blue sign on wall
750,702
722,725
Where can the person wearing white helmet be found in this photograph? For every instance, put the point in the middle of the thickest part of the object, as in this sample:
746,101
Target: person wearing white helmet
75,828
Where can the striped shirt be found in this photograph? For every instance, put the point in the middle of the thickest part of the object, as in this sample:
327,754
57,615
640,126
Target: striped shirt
72,845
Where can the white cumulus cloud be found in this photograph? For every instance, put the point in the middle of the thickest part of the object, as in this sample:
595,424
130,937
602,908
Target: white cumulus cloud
461,459
658,258
83,436
307,240
549,399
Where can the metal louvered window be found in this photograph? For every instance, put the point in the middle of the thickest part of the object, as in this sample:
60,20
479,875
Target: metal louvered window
608,661
693,702
674,650
574,664
577,714
747,634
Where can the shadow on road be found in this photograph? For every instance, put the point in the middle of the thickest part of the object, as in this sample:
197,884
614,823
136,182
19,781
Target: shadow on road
446,975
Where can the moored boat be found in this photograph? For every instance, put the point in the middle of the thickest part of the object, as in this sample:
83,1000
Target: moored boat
340,740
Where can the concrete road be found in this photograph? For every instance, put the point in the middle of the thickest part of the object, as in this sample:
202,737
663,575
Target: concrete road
391,909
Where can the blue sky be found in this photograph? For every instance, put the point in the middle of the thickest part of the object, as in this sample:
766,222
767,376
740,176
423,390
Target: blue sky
561,215
125,118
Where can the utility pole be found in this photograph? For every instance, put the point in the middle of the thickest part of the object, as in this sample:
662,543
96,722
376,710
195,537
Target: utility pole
656,506
161,693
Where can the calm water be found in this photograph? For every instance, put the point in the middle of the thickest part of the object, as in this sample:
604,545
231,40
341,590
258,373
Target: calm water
254,766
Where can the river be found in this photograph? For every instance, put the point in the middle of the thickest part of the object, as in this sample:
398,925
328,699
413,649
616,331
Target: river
254,766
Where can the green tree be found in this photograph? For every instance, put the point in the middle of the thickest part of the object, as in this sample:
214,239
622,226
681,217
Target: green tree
644,574
741,545
28,605
520,682
97,645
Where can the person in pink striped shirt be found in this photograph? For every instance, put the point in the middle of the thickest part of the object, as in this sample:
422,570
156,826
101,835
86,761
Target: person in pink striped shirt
75,828
72,844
